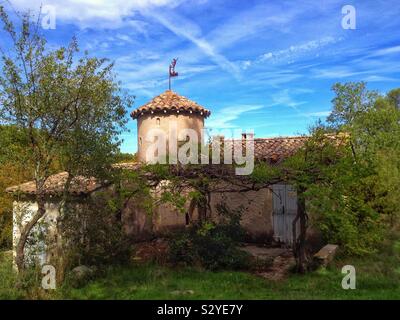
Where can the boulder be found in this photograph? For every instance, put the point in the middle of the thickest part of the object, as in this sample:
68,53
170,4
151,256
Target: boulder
80,275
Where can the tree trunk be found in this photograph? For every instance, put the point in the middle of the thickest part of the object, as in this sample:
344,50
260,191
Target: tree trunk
202,211
58,259
26,230
299,243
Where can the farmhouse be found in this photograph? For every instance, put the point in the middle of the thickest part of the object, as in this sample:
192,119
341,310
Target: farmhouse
267,214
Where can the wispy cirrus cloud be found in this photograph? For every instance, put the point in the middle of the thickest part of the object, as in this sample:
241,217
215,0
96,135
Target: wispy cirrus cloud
98,13
292,53
298,50
187,29
385,51
366,72
320,114
224,118
272,47
251,22
286,98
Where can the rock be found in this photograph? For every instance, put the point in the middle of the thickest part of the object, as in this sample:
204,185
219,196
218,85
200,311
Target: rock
182,292
80,275
262,258
324,256
81,271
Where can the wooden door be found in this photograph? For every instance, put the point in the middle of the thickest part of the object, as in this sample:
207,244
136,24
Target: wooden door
284,211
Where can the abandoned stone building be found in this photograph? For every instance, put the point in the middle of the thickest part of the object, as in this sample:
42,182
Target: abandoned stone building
267,215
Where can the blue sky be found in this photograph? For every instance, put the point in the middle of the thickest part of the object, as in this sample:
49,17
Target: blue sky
261,65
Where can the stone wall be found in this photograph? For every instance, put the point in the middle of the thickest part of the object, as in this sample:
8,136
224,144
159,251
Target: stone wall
139,225
46,227
163,121
256,216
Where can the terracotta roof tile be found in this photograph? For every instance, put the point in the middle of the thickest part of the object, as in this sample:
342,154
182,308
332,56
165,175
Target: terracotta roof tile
275,150
170,100
271,150
55,185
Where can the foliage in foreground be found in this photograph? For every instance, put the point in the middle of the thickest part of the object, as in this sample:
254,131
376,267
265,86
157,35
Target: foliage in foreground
94,235
210,245
378,277
350,169
12,143
67,105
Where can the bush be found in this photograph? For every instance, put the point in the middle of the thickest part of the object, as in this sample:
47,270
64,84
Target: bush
24,285
94,235
210,245
6,230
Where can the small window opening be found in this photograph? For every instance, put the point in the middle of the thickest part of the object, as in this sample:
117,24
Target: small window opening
187,218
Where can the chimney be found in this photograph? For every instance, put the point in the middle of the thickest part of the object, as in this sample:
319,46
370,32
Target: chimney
248,136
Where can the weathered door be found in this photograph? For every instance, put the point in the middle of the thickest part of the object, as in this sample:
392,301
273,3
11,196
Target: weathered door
284,211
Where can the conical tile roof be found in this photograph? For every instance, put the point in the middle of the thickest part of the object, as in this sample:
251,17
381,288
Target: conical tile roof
170,101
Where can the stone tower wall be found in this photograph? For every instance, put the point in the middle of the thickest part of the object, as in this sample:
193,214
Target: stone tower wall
164,121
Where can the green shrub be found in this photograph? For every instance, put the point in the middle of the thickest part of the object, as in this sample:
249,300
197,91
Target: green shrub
181,249
24,285
94,235
6,230
210,245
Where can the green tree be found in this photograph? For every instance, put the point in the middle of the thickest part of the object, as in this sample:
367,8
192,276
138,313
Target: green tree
70,108
353,190
352,99
12,142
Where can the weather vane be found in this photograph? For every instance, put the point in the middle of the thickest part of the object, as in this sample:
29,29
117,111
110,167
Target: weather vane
172,72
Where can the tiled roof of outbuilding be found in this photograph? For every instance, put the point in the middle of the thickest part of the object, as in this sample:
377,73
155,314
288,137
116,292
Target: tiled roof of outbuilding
168,101
55,185
271,150
277,149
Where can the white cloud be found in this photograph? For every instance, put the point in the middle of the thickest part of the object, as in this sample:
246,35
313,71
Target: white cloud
184,28
259,18
95,13
145,72
386,51
266,56
284,98
296,51
245,64
319,114
224,118
335,72
376,78
369,73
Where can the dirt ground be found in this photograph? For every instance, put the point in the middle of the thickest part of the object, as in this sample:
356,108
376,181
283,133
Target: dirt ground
272,263
275,262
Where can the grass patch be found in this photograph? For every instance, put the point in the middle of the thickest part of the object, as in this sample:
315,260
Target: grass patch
154,282
8,279
378,277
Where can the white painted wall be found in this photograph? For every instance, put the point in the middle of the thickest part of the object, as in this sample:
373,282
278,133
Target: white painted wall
22,213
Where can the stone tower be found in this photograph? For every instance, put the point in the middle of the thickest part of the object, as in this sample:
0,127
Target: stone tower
164,111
